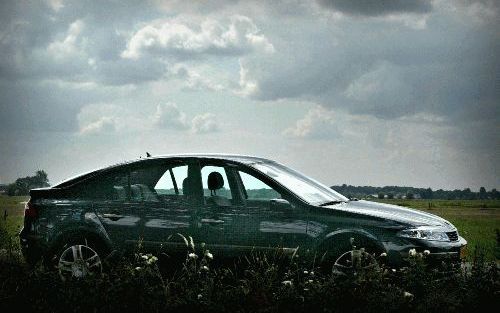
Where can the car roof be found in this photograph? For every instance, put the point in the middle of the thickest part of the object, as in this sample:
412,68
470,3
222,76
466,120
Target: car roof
238,158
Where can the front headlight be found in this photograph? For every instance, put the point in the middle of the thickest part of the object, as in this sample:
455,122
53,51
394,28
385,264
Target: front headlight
424,233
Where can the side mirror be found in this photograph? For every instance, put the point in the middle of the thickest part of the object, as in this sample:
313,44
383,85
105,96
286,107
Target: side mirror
279,204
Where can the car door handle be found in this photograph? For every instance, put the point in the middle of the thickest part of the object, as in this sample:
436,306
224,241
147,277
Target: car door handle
112,216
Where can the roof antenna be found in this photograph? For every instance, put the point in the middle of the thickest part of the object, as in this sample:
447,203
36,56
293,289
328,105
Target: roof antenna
148,154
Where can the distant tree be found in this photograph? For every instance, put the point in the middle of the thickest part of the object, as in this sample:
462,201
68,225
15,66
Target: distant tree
381,195
390,196
410,195
482,193
426,193
467,194
22,186
494,194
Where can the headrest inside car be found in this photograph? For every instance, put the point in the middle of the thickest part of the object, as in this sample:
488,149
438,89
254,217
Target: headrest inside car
187,186
215,181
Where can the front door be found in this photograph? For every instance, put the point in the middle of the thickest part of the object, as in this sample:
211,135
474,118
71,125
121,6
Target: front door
272,221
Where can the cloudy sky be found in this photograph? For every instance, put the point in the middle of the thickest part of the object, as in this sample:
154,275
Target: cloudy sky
360,92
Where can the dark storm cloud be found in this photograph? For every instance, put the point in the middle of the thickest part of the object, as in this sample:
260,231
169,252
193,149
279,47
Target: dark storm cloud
448,69
378,7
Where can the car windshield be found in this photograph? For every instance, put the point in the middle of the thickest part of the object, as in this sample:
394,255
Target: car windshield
308,189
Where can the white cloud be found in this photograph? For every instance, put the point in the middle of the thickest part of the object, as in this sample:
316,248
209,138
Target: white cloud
199,79
318,123
105,124
247,87
55,5
72,45
175,36
204,123
169,116
101,118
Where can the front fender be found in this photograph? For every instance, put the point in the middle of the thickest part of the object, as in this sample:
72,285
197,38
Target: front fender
361,237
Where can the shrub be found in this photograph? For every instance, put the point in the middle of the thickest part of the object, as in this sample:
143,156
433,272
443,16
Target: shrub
260,282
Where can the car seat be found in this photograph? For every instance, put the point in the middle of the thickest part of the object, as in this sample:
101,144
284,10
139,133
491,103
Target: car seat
216,181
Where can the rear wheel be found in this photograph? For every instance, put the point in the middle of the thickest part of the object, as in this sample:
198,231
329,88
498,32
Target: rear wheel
77,258
79,261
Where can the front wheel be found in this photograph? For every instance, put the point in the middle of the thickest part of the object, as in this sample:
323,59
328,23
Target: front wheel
79,261
354,261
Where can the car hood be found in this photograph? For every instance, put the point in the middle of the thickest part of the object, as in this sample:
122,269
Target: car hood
393,212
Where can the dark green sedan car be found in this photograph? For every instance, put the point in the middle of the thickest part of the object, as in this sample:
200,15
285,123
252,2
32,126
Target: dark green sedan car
234,204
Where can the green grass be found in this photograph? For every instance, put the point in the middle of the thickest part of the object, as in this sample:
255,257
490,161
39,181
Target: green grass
10,227
476,220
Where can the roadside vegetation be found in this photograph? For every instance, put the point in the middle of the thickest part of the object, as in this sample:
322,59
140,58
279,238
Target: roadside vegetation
257,283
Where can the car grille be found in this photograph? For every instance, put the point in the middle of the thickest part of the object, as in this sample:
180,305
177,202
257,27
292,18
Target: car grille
453,235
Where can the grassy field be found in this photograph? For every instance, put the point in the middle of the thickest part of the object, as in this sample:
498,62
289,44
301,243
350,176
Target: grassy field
476,220
11,225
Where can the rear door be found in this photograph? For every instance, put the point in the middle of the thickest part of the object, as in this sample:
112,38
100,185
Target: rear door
167,210
110,196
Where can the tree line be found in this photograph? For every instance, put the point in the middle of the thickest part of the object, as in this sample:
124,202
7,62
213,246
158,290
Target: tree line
398,192
22,186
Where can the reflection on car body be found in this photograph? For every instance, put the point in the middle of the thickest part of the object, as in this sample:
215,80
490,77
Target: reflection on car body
231,203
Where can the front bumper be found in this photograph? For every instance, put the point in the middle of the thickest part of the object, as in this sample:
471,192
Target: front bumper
439,251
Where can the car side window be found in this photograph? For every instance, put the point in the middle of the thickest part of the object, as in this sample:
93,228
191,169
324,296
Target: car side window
213,187
256,189
109,186
170,183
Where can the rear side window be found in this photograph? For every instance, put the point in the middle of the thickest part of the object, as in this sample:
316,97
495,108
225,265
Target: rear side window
151,182
110,186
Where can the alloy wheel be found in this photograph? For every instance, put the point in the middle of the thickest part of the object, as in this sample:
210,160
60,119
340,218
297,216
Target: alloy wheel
79,261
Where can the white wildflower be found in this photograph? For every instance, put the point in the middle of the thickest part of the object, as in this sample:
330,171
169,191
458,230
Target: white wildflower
191,242
311,273
192,256
427,252
204,268
152,260
412,252
408,295
144,257
209,255
306,272
200,296
138,268
287,283
383,254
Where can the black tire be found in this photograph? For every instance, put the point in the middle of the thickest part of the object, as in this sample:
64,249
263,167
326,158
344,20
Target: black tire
335,247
